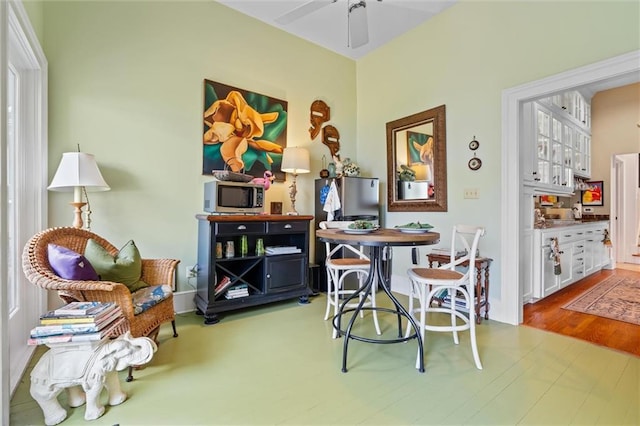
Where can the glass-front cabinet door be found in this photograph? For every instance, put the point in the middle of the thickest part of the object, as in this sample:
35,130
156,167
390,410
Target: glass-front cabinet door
543,145
582,154
553,147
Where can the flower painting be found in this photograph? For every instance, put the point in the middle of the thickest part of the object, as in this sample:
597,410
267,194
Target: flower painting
420,151
594,194
244,132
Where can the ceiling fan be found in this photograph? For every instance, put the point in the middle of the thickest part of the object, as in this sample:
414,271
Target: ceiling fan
356,13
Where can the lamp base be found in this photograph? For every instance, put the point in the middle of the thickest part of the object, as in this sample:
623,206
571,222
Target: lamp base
77,219
293,214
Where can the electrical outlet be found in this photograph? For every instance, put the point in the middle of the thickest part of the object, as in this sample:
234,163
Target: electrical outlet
471,193
192,271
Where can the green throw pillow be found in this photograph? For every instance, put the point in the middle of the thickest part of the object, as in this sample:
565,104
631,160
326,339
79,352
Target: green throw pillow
125,267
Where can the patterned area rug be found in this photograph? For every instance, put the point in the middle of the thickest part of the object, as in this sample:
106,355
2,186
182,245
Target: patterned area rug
617,298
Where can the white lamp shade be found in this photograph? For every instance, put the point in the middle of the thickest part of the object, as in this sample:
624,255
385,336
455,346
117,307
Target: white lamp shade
78,169
295,160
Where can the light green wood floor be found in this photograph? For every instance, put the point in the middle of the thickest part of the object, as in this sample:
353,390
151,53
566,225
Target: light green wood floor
277,364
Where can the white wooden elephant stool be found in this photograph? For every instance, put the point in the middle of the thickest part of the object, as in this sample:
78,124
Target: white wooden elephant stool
84,369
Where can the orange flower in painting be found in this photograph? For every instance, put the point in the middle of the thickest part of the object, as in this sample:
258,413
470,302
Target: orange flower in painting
236,125
592,195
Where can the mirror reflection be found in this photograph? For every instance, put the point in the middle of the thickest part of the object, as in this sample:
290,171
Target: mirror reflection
416,162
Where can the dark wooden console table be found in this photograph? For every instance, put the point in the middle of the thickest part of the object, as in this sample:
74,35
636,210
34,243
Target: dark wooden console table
482,280
265,277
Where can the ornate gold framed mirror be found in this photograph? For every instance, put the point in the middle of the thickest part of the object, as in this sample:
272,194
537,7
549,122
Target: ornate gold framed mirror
417,162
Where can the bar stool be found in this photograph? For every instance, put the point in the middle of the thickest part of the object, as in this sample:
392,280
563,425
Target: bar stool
339,266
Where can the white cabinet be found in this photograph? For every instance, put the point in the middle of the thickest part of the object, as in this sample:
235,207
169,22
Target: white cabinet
582,154
582,253
595,251
545,279
551,164
557,131
526,267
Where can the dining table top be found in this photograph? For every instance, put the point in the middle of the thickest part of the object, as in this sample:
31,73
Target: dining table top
378,237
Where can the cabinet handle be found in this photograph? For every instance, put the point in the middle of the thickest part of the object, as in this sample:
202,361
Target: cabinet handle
241,227
268,276
537,179
560,252
288,226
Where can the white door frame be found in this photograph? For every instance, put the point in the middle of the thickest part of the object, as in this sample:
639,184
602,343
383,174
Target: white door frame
624,208
20,47
512,187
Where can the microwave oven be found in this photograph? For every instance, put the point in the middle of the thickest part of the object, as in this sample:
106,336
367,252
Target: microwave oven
233,197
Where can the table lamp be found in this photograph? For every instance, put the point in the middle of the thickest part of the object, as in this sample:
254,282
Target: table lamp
295,160
78,172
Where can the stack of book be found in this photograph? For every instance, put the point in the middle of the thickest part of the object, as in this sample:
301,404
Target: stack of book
77,322
224,283
272,250
447,251
237,291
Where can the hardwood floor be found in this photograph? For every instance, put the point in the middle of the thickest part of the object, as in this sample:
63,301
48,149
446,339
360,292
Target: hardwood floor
547,314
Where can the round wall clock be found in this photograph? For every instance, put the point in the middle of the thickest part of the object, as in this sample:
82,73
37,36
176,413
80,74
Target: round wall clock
474,144
475,163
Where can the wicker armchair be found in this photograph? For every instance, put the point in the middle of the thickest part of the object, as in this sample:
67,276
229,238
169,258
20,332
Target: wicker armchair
38,271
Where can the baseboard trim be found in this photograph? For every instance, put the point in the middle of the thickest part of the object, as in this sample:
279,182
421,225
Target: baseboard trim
183,301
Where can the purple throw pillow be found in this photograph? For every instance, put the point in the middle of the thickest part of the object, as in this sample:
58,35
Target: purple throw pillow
70,265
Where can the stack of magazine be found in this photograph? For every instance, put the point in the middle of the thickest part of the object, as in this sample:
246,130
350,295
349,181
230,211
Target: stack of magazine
447,251
237,291
272,250
77,322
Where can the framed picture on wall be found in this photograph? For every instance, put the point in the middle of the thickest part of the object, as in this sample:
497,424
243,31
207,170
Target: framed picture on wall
243,132
594,194
548,200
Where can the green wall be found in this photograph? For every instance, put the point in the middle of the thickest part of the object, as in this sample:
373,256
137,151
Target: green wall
464,58
126,84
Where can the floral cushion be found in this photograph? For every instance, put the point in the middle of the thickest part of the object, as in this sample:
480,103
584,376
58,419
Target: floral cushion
147,297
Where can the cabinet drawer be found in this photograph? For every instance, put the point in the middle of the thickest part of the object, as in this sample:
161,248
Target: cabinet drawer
570,235
283,227
235,228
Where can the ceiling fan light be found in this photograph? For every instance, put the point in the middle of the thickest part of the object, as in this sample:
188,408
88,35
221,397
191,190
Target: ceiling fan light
358,24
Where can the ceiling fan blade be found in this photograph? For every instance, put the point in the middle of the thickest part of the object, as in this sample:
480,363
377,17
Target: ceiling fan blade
302,10
358,24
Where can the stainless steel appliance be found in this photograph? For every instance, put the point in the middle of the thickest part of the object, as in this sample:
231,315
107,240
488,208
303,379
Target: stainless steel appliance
359,200
233,197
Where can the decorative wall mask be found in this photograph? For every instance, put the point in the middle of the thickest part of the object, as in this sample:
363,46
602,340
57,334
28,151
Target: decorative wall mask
320,113
331,138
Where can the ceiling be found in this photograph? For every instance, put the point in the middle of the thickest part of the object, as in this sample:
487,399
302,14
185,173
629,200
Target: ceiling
328,26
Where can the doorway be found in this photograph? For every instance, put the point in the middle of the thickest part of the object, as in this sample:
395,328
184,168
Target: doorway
614,72
625,208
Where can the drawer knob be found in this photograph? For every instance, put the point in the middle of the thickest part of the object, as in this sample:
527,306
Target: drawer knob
241,227
288,226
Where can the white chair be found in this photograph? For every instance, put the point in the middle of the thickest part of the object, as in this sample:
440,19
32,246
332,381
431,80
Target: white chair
342,260
456,288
